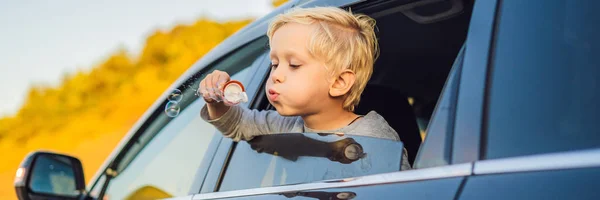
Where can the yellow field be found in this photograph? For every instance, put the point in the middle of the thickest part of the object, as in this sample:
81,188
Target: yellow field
89,112
92,152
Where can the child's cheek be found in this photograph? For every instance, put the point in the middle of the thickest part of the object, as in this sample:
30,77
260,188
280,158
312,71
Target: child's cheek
268,83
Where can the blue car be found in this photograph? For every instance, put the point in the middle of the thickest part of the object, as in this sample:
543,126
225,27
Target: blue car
493,99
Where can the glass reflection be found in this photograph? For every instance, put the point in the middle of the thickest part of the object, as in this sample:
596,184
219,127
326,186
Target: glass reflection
293,145
53,174
291,158
321,195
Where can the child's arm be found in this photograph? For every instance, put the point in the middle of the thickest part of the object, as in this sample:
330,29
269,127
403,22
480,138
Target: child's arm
216,110
241,123
234,121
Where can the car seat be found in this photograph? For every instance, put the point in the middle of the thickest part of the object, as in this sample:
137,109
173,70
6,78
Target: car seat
394,107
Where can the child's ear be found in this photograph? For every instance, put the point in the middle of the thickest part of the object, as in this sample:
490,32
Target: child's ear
342,83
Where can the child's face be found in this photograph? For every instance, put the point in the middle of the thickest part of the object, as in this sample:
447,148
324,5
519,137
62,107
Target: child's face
298,84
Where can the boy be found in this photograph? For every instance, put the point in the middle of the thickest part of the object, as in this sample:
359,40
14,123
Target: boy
322,59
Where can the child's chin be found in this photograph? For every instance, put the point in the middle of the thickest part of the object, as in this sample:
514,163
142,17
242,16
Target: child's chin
285,112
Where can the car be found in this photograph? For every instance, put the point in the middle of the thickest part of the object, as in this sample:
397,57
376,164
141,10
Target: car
493,99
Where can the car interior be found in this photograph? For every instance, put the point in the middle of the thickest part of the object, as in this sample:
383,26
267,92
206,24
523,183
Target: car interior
418,45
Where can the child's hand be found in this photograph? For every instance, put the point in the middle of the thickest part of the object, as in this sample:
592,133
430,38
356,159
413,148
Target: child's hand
211,86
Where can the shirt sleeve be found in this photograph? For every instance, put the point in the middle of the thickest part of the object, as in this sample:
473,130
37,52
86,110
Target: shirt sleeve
241,123
405,164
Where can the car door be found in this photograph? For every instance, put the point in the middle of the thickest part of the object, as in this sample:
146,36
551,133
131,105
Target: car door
434,176
539,132
428,181
165,158
437,174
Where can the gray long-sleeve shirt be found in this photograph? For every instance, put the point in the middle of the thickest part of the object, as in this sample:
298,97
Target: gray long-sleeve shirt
241,123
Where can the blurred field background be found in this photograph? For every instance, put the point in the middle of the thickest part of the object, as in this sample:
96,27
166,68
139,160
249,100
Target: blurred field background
89,111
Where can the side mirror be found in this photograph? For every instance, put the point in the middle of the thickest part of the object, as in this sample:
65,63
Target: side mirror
46,175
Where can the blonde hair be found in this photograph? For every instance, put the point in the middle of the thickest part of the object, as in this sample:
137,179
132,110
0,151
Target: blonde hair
342,39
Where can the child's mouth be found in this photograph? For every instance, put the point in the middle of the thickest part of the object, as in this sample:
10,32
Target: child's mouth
273,95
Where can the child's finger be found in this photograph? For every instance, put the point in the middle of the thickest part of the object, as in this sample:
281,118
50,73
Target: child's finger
207,98
207,90
213,80
210,87
201,86
221,81
223,78
214,88
203,90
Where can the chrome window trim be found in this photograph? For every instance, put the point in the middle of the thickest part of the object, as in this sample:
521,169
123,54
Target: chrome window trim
449,171
188,197
550,161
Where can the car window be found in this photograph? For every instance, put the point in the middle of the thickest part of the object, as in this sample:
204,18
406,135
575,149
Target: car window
165,159
291,158
544,88
435,150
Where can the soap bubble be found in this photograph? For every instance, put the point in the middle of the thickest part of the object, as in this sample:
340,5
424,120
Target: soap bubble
198,93
175,96
172,109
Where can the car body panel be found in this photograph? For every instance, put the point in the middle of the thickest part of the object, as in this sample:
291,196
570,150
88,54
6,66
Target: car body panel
402,177
556,184
432,189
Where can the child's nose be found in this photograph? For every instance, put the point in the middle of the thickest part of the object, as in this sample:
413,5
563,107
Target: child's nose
277,75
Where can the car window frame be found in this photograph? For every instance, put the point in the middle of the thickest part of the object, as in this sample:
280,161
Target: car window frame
468,127
102,180
446,105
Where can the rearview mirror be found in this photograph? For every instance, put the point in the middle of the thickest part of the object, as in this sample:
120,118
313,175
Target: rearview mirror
45,175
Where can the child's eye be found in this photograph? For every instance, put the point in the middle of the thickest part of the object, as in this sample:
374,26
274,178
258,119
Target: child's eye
273,65
294,66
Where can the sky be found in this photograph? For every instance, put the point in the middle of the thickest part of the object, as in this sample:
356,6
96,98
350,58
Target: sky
40,41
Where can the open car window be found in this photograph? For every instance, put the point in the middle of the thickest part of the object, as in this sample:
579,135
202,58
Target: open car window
292,158
404,88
